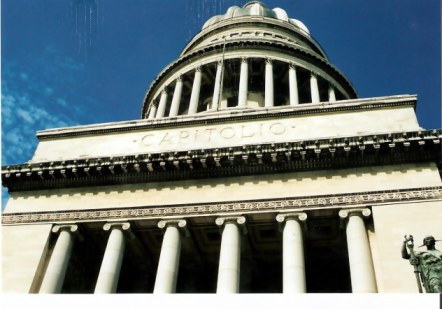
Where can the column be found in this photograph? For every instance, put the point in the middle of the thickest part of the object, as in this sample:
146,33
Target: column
331,94
107,281
361,265
293,265
230,255
269,97
169,257
243,83
153,110
217,89
175,106
58,264
195,95
162,105
293,85
314,90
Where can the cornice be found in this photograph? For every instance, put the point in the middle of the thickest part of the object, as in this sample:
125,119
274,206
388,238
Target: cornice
289,204
332,153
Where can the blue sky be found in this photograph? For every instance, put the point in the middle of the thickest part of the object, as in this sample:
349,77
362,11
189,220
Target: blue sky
76,62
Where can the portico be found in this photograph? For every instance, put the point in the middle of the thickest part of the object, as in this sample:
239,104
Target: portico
231,250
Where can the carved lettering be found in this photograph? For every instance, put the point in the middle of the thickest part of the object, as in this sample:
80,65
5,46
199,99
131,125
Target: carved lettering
210,131
166,139
216,134
148,140
184,135
244,132
227,132
277,128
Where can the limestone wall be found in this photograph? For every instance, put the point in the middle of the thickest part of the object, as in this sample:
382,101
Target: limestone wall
391,223
23,247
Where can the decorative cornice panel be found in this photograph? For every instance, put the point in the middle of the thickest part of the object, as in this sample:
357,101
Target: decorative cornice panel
343,152
374,198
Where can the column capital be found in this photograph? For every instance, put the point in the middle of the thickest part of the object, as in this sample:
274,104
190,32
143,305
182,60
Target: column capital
179,78
164,90
300,216
219,62
346,213
124,226
198,68
268,60
176,222
313,74
244,59
220,221
292,65
70,227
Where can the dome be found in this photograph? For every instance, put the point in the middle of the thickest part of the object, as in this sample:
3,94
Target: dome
256,8
251,58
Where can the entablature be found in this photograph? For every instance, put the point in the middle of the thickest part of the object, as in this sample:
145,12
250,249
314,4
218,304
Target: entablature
340,152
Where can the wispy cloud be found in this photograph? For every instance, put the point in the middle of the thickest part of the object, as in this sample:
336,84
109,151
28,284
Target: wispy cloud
21,118
37,97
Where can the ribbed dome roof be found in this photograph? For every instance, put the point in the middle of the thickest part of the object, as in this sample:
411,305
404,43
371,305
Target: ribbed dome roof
256,8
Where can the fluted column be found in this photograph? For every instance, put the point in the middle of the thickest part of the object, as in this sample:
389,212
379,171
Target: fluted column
331,94
107,281
176,99
195,95
293,265
170,256
293,85
230,254
162,106
58,264
153,110
314,90
218,88
361,264
243,83
269,94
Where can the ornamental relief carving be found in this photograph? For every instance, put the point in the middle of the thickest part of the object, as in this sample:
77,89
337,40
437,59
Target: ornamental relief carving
296,204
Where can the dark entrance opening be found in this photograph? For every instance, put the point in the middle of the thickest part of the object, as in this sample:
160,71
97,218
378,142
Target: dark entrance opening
326,257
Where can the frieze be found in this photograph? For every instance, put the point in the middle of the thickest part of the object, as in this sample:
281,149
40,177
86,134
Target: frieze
299,203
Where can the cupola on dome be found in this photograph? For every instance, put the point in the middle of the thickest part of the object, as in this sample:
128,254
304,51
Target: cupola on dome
256,8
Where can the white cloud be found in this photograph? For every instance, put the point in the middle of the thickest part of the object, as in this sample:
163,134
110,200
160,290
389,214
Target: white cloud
24,115
61,101
24,76
48,91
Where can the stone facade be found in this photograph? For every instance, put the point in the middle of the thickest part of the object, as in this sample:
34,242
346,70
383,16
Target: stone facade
282,181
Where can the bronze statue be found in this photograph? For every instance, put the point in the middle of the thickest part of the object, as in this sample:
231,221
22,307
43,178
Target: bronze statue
427,263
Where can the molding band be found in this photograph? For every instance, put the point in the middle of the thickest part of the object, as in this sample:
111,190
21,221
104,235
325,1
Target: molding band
350,200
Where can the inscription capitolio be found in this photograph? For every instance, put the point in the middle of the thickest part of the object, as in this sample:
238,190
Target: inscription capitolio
217,135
